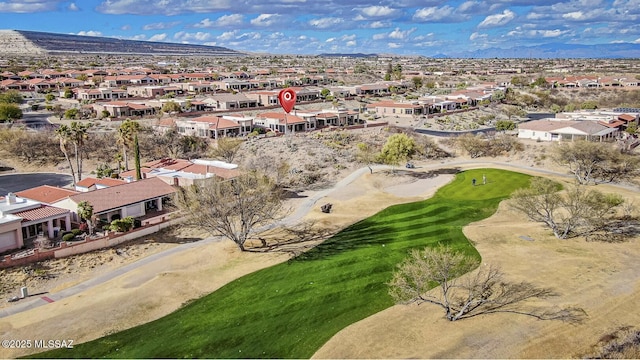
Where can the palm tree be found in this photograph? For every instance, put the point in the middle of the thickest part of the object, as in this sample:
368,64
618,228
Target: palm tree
64,134
126,133
78,136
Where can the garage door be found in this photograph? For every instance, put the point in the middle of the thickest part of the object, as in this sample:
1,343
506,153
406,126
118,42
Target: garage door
7,240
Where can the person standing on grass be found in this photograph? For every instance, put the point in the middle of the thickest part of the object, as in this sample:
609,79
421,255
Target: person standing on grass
473,182
484,180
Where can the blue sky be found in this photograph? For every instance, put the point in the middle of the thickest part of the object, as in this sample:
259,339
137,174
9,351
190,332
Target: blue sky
403,27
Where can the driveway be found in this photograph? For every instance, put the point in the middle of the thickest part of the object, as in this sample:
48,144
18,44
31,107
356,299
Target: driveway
18,182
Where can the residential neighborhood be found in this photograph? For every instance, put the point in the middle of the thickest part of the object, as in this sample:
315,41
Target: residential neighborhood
134,137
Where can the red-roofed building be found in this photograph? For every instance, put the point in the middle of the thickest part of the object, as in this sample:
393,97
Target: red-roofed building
212,127
180,172
34,219
90,184
46,194
281,122
136,199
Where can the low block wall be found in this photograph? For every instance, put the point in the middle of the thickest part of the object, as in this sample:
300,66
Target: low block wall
65,249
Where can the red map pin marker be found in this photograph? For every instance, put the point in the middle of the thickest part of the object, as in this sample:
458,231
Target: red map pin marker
287,99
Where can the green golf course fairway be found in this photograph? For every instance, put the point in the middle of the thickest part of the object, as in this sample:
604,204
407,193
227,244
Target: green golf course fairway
290,310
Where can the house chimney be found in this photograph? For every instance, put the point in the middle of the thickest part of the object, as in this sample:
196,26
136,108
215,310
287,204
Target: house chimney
11,198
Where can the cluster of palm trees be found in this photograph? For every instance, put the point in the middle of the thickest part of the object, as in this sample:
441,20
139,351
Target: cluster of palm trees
72,142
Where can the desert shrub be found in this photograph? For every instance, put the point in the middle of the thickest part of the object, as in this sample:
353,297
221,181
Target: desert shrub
68,237
76,232
122,225
623,343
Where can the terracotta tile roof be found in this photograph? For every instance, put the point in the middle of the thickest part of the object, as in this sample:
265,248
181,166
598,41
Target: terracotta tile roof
126,194
290,119
41,213
86,182
626,117
46,194
216,122
612,124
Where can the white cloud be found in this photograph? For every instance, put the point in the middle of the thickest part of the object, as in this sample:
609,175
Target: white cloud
158,37
73,7
160,25
89,33
399,34
477,36
187,37
27,6
265,20
166,7
126,27
376,24
469,6
205,23
433,13
498,19
229,20
222,21
138,37
227,35
348,37
551,33
636,41
393,45
330,40
379,36
325,23
377,11
351,43
576,15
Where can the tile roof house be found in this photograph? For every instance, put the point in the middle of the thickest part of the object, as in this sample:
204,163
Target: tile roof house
398,109
281,122
22,219
180,172
211,127
135,199
46,194
90,184
556,130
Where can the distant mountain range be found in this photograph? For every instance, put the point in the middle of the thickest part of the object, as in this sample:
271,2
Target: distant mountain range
546,51
557,51
20,42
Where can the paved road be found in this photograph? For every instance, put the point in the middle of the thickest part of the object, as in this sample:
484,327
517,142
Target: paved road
36,120
17,182
292,219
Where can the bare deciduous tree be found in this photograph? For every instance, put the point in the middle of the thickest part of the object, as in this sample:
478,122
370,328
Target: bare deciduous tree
367,155
578,212
484,292
591,162
231,208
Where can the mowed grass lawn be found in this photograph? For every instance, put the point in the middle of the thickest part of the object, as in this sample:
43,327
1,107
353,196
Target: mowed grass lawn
290,310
